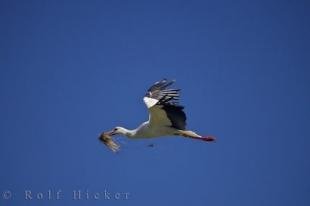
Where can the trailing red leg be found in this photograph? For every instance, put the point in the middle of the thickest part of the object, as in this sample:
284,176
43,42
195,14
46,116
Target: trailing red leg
205,138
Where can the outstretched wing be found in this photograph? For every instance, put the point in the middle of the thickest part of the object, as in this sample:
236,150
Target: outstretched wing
160,94
163,105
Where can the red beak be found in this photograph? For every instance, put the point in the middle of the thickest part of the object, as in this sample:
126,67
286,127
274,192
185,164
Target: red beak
111,133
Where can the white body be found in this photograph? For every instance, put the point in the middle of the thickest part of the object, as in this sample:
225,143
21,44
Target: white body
147,130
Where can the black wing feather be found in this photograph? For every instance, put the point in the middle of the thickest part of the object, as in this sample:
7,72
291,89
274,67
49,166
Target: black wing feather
168,100
176,115
160,92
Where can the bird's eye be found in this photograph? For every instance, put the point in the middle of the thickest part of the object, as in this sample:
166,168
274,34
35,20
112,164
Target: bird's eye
115,129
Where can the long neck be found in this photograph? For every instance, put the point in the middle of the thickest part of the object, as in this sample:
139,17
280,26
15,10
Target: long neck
129,133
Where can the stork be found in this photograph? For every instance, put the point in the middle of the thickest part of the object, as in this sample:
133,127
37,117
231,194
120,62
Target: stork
166,116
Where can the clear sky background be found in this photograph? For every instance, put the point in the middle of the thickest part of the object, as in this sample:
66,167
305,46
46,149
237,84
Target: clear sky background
71,69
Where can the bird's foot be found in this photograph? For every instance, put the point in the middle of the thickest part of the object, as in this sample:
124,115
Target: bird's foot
207,138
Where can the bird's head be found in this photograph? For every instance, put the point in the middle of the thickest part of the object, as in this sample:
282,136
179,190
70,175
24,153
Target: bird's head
117,130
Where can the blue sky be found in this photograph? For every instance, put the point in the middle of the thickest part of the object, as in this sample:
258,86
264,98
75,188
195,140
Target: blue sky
69,70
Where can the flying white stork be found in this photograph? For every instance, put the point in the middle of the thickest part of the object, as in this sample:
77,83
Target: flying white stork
166,116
